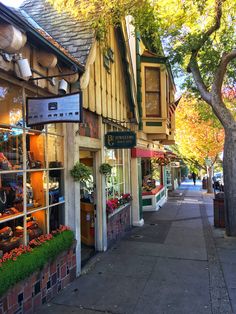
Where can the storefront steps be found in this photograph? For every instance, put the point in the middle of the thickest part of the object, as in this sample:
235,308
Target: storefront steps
177,263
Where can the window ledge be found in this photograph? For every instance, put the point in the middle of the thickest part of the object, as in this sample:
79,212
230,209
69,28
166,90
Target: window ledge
119,209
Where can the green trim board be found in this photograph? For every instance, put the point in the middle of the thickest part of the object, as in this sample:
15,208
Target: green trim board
158,197
161,60
153,123
147,201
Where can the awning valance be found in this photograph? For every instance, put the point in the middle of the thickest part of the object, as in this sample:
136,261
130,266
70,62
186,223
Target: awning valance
145,153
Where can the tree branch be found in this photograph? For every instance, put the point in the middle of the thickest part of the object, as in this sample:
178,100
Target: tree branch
194,68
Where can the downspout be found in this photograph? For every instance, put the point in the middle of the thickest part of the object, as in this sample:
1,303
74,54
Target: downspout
139,81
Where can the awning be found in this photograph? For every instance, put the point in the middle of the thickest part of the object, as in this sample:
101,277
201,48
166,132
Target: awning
146,153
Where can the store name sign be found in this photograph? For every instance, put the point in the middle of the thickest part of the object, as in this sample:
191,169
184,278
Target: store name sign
43,110
120,139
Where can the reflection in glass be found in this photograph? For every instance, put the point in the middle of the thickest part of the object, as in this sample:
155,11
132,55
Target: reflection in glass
55,151
11,104
11,194
56,216
11,148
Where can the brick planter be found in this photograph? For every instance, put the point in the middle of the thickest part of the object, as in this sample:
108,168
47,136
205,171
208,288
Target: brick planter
118,223
29,294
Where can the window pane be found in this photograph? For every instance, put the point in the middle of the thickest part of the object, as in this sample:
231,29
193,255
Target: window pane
36,224
56,216
11,104
152,103
11,148
35,189
35,146
11,194
11,234
56,186
152,79
55,151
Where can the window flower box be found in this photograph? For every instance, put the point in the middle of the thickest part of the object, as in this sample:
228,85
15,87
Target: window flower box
32,275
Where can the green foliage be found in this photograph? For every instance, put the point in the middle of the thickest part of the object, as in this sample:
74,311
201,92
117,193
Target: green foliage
80,172
12,272
105,169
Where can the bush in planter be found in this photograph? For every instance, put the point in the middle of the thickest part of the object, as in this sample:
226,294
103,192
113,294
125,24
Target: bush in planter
20,267
80,172
105,169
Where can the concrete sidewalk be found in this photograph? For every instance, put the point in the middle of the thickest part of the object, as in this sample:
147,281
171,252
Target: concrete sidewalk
176,263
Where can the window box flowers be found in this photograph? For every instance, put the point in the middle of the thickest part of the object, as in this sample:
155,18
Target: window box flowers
114,203
21,262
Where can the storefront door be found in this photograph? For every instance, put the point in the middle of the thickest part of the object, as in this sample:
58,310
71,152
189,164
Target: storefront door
87,207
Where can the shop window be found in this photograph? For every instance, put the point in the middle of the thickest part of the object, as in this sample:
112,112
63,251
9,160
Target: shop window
152,92
118,182
31,173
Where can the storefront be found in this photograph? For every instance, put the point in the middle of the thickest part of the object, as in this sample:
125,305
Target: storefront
32,172
154,192
117,189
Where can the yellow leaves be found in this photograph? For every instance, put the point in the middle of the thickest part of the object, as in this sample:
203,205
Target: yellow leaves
195,137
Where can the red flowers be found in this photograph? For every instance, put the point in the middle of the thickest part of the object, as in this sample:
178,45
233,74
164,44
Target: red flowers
114,203
22,249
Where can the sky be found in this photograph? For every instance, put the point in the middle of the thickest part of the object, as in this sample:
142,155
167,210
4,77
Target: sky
12,3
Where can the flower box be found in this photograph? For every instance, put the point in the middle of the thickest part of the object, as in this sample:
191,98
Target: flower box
37,276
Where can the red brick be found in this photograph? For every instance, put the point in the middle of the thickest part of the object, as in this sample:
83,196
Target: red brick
63,270
28,305
13,309
44,292
37,301
73,260
53,268
27,290
12,299
4,304
65,281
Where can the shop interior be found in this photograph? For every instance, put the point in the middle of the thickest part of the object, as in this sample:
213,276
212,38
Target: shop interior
87,206
151,174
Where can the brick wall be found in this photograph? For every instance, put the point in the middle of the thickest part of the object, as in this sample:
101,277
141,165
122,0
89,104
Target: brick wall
40,287
118,225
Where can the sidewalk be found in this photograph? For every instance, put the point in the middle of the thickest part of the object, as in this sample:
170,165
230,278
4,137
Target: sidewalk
177,263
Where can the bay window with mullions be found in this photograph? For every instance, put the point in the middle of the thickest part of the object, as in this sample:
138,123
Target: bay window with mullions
31,172
152,92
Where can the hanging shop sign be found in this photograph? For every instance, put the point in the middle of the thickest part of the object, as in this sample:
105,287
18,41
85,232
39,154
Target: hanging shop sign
126,139
43,110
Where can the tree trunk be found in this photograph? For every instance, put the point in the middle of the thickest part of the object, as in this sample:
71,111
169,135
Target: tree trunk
209,181
229,166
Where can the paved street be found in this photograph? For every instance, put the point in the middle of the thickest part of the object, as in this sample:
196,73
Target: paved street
176,264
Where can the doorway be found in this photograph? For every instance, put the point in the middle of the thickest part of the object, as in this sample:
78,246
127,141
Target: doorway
87,209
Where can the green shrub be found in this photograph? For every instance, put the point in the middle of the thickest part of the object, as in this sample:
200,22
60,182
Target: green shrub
12,272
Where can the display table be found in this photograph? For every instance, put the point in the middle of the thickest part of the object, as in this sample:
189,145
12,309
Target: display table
154,199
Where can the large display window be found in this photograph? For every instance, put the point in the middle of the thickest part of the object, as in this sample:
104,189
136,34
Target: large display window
31,172
118,182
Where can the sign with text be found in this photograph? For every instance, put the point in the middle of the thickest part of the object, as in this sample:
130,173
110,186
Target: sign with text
126,139
175,164
43,110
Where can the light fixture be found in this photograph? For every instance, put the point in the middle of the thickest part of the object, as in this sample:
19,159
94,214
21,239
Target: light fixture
23,65
63,86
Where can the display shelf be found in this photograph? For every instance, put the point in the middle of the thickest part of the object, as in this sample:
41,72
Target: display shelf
36,209
11,217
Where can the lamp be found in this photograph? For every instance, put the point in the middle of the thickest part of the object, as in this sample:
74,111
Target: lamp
23,65
63,86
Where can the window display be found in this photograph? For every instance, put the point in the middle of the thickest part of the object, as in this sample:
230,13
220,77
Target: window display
31,173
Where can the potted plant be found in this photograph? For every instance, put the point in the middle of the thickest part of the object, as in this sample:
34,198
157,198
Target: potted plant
105,169
80,172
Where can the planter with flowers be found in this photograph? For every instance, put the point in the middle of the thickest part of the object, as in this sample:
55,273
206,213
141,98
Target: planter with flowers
118,217
33,274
